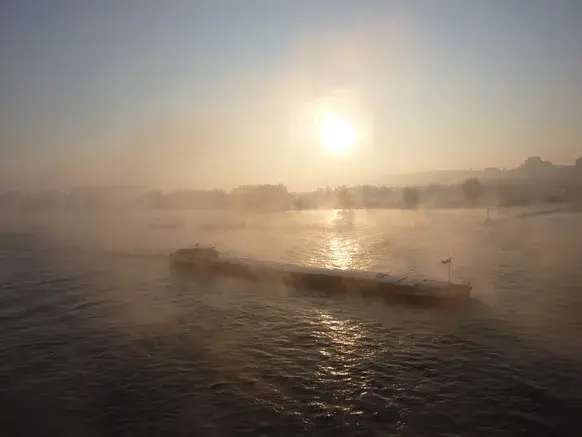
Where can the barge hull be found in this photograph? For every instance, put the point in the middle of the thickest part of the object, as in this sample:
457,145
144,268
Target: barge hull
328,280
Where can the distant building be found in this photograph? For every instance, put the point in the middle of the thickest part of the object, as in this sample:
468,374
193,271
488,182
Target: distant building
534,165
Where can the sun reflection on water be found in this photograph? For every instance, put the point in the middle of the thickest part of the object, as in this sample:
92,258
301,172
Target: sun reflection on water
342,333
340,244
344,349
342,251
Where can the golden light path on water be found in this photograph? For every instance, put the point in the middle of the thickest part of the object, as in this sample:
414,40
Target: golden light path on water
344,348
343,250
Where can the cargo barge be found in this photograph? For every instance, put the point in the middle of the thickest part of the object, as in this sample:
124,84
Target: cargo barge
207,260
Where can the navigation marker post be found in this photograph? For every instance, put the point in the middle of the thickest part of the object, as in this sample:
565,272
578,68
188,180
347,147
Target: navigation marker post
448,261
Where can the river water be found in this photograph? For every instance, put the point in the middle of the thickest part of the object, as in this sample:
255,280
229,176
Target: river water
100,338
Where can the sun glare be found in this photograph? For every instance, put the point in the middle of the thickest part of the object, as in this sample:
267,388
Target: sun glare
337,135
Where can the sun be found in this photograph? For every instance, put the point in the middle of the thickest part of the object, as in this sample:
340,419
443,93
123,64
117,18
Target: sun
337,135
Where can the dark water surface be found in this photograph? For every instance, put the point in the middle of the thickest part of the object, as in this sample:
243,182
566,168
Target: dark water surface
99,338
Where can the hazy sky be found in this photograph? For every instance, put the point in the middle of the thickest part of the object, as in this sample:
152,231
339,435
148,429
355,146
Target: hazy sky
216,93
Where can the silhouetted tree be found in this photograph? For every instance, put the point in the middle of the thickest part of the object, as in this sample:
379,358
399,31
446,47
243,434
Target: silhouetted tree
343,198
365,195
262,197
410,198
298,204
472,190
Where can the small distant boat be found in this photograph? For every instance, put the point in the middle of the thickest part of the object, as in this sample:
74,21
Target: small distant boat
208,260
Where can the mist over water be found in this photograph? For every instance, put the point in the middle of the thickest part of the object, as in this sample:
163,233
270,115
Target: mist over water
100,338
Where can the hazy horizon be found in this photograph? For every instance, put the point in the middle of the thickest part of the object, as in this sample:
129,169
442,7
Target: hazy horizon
216,94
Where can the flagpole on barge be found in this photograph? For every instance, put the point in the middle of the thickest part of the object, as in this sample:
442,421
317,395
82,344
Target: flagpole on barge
448,261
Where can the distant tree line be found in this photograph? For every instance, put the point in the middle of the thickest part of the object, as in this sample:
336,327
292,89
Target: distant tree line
535,181
471,192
